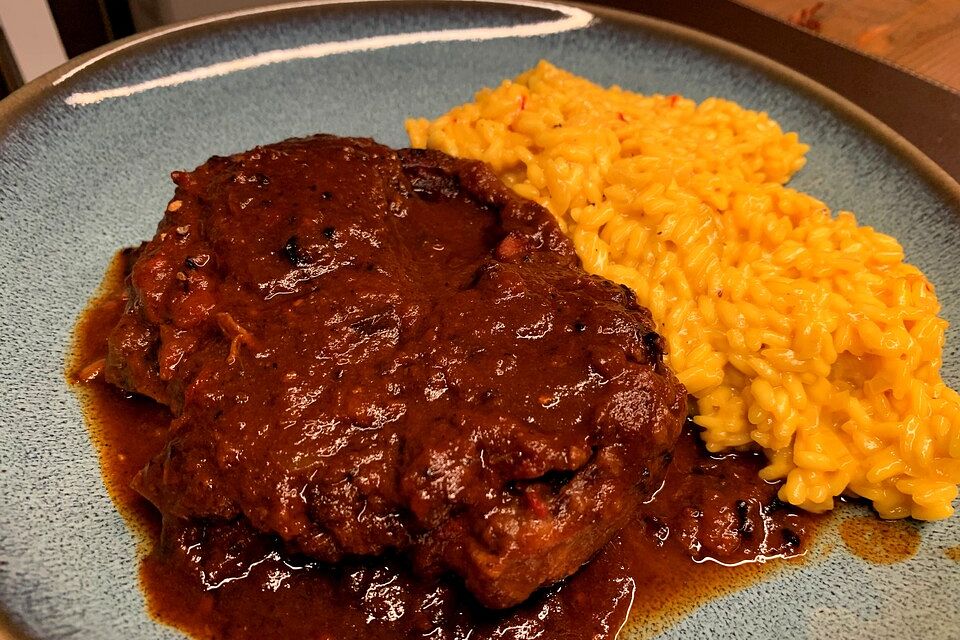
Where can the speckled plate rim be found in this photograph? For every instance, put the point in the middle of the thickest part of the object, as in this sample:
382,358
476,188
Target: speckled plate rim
19,105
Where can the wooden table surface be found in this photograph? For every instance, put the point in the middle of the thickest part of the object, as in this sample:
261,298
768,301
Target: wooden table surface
922,36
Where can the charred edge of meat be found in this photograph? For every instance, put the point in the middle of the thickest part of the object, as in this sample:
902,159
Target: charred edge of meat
790,538
294,254
433,183
744,523
775,504
654,343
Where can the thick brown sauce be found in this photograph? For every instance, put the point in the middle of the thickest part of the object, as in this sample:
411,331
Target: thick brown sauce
880,541
645,578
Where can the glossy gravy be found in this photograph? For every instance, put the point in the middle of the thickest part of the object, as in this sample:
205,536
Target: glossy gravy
227,582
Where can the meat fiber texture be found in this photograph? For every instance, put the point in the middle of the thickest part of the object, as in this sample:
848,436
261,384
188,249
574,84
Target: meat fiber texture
369,351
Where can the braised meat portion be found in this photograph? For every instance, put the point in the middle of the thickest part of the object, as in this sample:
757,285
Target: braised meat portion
370,351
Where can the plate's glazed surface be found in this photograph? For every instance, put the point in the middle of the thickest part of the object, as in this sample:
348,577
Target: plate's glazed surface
85,156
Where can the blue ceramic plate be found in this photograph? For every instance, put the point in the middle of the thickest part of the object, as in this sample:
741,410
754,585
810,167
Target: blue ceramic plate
85,157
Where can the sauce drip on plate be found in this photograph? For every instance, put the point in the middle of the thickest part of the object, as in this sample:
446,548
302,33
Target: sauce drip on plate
880,541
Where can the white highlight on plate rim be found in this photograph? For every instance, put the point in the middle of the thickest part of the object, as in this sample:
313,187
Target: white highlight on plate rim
573,18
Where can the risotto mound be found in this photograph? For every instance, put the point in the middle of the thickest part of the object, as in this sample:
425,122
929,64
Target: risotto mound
796,331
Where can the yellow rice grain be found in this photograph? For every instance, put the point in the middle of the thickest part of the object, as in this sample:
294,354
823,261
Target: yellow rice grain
800,332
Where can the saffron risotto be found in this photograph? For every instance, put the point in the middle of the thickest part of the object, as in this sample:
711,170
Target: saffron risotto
797,331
